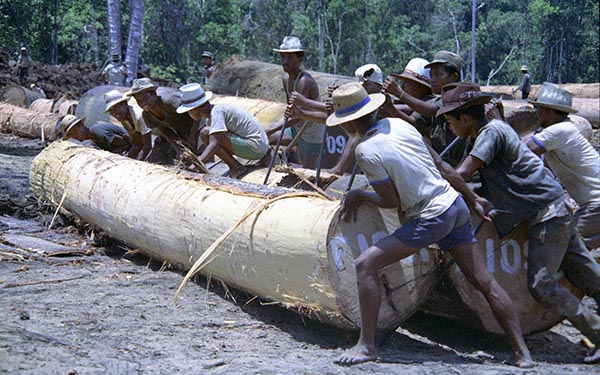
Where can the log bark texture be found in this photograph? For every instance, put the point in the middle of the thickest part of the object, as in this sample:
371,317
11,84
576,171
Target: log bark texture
295,252
28,123
579,90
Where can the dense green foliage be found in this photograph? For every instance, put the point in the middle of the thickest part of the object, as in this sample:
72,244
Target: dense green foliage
557,39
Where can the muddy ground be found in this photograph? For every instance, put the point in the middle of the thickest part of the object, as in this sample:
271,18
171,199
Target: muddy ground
72,302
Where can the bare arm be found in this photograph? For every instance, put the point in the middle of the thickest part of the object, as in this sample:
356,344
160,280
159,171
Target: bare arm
146,146
424,108
212,147
384,196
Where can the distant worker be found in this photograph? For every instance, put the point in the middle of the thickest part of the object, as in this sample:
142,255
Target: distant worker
230,130
207,66
125,110
37,89
525,86
107,136
570,156
297,80
115,73
23,64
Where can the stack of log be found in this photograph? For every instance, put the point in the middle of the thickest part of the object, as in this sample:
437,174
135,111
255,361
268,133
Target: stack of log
28,123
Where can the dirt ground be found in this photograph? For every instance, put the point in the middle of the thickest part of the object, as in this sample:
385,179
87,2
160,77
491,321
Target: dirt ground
75,303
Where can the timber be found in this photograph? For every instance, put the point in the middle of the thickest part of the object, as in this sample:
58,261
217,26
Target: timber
579,90
18,95
295,252
27,123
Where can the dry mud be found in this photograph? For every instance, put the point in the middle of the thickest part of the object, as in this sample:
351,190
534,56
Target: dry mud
73,302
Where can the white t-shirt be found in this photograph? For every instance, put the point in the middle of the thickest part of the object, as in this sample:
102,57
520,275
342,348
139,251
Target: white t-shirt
394,150
232,119
573,160
138,125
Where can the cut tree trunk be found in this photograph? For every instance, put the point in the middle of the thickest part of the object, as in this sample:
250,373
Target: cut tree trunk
62,106
579,90
295,252
28,123
18,95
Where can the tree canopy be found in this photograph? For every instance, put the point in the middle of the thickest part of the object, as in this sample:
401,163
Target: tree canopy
557,39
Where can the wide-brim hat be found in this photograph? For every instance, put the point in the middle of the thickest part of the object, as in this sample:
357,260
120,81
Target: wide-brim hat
141,85
192,96
552,96
290,44
524,68
415,71
351,102
461,95
67,123
207,54
369,72
448,58
112,98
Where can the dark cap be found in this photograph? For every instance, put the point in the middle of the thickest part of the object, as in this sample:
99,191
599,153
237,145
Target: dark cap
461,95
448,58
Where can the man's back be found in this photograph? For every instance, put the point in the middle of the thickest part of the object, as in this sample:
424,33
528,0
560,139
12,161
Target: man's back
394,150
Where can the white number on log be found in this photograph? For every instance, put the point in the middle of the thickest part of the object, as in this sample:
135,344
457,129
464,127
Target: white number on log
336,144
506,255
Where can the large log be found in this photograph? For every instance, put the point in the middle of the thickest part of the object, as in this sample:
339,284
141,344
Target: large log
295,252
523,118
61,106
28,123
262,80
579,90
18,95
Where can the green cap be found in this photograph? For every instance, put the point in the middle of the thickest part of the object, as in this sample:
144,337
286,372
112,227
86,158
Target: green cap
449,58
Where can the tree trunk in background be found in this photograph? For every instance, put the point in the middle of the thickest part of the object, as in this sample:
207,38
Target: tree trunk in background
136,34
94,35
114,26
55,35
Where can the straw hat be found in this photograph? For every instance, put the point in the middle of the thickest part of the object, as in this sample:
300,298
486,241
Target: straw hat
524,68
290,44
552,96
448,58
207,54
112,98
141,85
23,49
351,102
415,71
192,96
369,72
67,124
461,95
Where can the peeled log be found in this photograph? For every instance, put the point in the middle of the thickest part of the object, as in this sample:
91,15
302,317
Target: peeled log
18,95
62,106
27,123
262,80
579,90
295,252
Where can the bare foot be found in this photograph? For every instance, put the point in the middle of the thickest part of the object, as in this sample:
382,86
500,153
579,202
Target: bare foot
358,354
594,356
523,360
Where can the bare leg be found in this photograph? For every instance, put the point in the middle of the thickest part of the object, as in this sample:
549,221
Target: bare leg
469,260
368,264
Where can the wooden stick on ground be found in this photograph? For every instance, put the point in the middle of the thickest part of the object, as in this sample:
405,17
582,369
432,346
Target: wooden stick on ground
36,282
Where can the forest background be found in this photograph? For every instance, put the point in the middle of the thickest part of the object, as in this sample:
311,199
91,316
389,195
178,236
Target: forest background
557,39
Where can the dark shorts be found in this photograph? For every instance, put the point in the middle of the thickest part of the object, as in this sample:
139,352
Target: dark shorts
23,72
306,147
448,230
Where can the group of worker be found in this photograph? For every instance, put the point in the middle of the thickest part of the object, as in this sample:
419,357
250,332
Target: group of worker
418,143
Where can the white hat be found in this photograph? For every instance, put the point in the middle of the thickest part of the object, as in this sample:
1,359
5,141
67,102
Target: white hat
23,49
524,68
112,98
192,96
351,102
290,44
416,71
369,72
554,97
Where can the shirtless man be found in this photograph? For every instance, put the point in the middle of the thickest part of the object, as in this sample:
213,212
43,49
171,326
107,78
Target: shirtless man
294,79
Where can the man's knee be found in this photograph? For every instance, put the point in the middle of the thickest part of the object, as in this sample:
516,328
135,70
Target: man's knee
365,264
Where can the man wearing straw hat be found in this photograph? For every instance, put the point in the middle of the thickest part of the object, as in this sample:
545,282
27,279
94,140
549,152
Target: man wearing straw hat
525,86
571,157
207,66
515,179
24,62
107,136
129,114
160,115
297,80
230,131
403,174
116,72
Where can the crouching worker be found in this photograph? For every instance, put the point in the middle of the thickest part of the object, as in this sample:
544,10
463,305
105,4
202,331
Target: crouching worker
402,171
107,136
230,130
